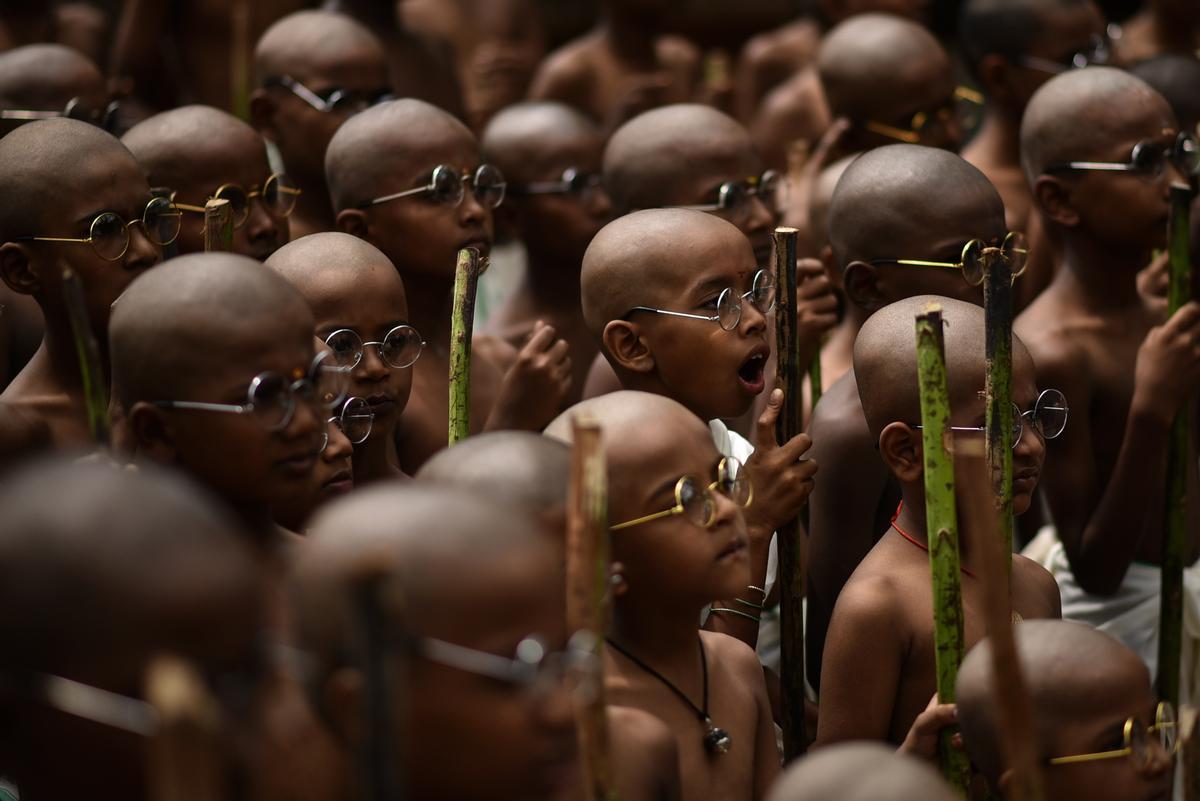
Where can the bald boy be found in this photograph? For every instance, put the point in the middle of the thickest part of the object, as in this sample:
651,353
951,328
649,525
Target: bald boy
860,772
60,212
475,681
75,542
897,202
877,674
205,380
550,156
1083,686
313,69
199,152
1093,335
381,166
356,297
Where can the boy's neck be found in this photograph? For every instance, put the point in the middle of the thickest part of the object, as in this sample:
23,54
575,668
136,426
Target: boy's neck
313,205
376,460
628,36
655,632
998,142
1103,276
911,523
62,359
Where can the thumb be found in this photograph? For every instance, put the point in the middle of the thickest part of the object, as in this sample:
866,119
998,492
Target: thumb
764,434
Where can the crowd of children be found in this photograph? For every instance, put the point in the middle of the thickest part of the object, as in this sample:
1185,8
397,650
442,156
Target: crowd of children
243,555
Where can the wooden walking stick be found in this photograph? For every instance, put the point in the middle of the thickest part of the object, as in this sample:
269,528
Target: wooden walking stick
1014,712
87,351
185,751
998,320
1170,638
378,754
791,570
462,323
218,226
587,591
941,523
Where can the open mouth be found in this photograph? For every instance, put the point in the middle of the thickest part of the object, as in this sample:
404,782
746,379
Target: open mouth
343,481
751,372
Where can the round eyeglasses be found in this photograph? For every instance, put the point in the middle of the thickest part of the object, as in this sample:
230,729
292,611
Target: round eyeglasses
574,182
1148,159
278,195
974,257
728,304
696,502
736,197
1138,741
1048,418
271,398
355,420
448,186
108,234
400,348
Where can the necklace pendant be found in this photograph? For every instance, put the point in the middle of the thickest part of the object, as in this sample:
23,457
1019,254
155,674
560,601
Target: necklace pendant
716,740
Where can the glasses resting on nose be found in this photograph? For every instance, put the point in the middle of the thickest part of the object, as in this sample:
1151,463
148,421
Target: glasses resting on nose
355,421
1048,418
400,348
974,258
333,100
922,125
574,182
75,109
737,197
271,398
696,502
728,304
278,195
1147,159
1137,741
108,233
1098,51
448,186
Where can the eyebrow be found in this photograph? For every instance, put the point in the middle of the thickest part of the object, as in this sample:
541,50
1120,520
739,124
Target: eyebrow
666,486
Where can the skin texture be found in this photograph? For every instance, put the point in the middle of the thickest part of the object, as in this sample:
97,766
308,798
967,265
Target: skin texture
195,332
53,194
901,201
670,568
323,51
194,151
1096,338
860,772
878,667
524,746
536,143
1083,685
102,617
348,283
394,147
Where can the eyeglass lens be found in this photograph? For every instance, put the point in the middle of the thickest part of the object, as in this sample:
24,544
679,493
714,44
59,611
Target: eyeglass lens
110,233
399,349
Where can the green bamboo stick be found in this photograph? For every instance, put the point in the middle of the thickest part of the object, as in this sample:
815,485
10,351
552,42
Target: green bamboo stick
87,352
789,537
814,379
941,522
587,591
462,322
998,320
218,226
1170,639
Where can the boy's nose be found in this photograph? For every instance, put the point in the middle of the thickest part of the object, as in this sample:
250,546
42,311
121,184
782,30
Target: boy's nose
261,224
753,320
307,419
1032,445
372,367
600,204
759,217
339,446
471,211
142,253
556,708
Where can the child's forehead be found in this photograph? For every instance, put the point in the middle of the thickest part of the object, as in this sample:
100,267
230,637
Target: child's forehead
108,180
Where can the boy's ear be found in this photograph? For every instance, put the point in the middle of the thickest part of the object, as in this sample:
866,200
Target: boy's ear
262,114
17,269
860,281
900,447
149,434
342,706
353,222
1055,200
624,342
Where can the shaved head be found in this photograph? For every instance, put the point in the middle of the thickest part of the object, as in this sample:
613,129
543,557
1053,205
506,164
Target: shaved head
649,156
388,138
1007,28
40,164
871,61
181,146
44,77
638,259
895,193
520,137
885,359
1176,76
860,772
313,42
518,466
329,269
178,322
1071,671
1075,116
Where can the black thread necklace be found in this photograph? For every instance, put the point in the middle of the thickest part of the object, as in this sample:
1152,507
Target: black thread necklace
716,739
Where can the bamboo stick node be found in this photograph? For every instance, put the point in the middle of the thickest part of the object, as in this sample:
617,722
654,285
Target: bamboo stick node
218,225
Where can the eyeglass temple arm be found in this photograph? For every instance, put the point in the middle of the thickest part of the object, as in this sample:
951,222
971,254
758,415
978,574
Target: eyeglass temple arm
304,93
100,706
468,659
51,239
675,313
1069,760
919,263
25,114
211,407
910,137
396,196
646,519
189,207
1099,165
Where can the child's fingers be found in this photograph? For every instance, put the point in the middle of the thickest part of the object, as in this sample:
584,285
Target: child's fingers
794,448
808,269
815,287
539,340
764,431
559,351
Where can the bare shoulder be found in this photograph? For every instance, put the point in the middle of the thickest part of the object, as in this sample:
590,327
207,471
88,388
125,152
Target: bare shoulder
1035,592
676,51
735,659
878,591
793,44
568,69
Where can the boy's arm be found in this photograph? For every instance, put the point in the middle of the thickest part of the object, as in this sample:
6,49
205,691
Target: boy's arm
1102,523
860,671
535,383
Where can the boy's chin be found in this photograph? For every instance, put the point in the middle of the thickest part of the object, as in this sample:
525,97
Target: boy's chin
1021,502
